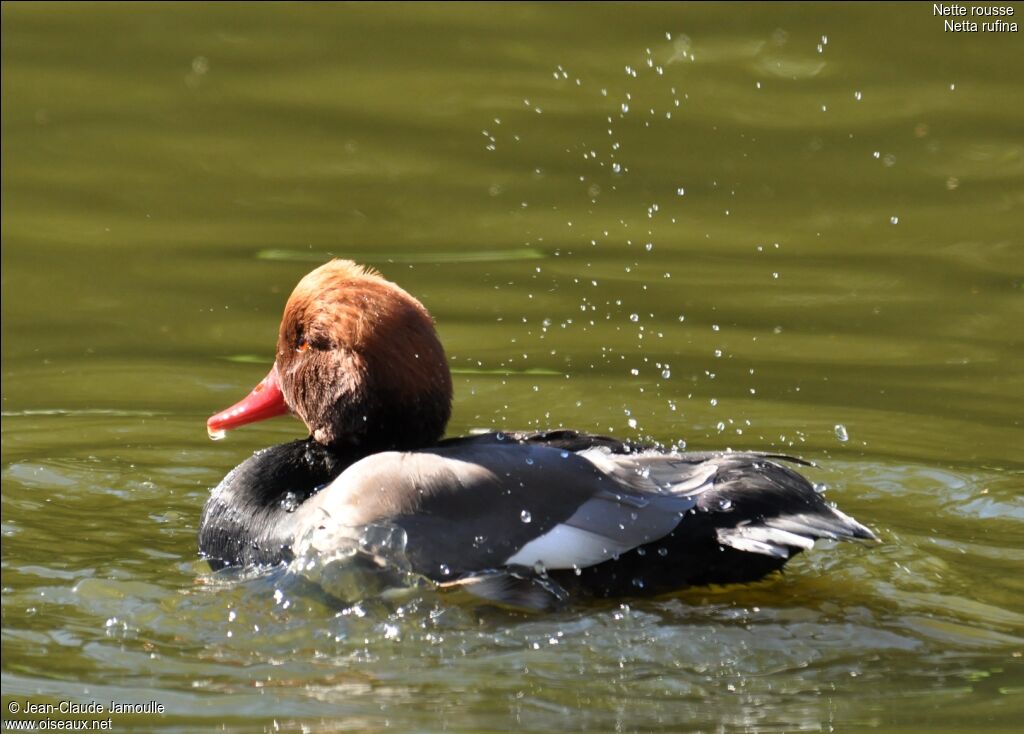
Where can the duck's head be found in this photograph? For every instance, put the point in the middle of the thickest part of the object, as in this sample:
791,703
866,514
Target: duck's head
358,361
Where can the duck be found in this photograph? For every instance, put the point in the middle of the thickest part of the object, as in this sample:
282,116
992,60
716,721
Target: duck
526,519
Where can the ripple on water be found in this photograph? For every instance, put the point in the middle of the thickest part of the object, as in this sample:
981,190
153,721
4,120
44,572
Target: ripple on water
331,638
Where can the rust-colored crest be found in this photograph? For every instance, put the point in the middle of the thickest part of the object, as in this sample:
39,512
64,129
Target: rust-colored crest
360,360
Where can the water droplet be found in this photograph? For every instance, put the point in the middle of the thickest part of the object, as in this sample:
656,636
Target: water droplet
662,552
290,502
724,505
820,488
525,516
665,374
632,422
529,461
634,317
841,432
445,571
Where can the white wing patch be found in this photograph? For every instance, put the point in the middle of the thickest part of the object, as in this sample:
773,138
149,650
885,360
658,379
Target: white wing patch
565,546
764,540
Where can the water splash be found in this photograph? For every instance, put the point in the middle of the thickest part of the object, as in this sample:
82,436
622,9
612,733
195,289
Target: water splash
352,564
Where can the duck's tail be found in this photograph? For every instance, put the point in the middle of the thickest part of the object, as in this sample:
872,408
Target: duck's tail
762,506
751,514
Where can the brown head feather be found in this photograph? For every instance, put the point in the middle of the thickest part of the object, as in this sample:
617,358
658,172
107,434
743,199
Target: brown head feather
360,362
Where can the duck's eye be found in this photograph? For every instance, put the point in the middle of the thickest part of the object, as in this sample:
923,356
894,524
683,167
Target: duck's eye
302,346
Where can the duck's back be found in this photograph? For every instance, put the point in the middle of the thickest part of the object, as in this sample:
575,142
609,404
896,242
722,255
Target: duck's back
584,511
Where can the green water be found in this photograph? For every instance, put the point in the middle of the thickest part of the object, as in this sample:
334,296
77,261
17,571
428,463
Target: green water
736,225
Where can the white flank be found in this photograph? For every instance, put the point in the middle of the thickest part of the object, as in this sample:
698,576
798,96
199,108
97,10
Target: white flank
565,547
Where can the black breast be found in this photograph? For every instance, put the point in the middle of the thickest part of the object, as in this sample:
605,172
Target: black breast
248,518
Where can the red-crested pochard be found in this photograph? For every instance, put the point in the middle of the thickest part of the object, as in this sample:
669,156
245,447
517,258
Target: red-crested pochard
526,519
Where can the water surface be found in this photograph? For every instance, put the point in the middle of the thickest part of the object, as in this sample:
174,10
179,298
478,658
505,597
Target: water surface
778,227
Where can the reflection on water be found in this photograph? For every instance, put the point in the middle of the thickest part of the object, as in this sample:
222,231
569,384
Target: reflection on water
776,227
